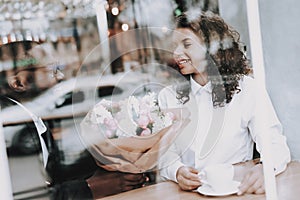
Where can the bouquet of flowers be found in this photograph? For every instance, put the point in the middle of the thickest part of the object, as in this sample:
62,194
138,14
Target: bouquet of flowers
131,134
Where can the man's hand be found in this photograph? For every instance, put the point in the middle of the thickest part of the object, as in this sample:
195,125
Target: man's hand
253,181
130,181
187,178
108,183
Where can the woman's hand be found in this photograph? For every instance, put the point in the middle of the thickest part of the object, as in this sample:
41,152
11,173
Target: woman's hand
187,178
253,181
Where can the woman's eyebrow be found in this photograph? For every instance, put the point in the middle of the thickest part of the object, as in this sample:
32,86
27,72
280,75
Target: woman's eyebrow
182,41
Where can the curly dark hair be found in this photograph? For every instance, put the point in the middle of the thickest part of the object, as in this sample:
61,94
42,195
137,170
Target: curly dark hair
227,63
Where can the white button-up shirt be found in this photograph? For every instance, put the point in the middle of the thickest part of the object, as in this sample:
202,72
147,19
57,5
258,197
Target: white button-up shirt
226,134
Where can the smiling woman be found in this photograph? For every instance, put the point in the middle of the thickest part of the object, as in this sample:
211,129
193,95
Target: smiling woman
225,103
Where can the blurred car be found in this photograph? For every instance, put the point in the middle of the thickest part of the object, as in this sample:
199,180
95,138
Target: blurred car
68,99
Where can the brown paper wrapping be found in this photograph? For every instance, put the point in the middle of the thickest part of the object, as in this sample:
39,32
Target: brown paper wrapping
134,154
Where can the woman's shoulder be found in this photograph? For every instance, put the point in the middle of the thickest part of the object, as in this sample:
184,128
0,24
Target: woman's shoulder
167,97
249,88
248,83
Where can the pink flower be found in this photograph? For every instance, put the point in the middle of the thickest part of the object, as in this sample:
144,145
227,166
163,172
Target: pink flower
146,132
110,124
109,133
144,111
115,105
143,121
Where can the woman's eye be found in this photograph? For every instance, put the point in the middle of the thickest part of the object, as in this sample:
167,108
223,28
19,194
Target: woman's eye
186,45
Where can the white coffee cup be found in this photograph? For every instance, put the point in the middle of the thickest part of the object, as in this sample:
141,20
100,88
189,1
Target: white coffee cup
218,176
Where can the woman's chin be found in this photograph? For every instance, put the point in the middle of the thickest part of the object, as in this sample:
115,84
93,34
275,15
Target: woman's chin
185,72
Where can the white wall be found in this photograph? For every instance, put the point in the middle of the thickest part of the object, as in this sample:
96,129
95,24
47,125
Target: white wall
281,32
280,26
234,12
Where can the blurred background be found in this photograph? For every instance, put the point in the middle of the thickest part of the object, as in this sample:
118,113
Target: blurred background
47,46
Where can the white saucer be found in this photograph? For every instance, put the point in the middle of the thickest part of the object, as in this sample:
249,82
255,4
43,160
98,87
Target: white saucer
208,191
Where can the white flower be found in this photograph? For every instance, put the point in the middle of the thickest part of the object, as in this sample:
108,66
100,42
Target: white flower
214,44
105,103
214,47
157,126
133,105
150,98
158,122
126,127
227,43
193,14
101,113
168,119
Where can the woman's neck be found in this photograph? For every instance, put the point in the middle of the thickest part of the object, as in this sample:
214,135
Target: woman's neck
201,78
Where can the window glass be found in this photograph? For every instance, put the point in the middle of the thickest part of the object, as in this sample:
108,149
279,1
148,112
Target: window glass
105,91
70,98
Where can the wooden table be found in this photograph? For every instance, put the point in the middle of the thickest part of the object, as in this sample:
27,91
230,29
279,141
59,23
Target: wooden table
288,188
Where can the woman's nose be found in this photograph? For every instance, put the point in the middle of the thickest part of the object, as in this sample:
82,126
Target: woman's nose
177,51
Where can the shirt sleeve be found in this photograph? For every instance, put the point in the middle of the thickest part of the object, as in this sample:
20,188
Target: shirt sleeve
170,161
264,124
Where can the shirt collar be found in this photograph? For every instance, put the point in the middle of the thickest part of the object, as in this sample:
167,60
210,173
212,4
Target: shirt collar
197,88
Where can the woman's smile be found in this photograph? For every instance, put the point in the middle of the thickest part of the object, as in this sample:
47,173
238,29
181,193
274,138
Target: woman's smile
182,62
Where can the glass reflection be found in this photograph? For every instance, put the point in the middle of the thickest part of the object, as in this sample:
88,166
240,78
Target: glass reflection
27,69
